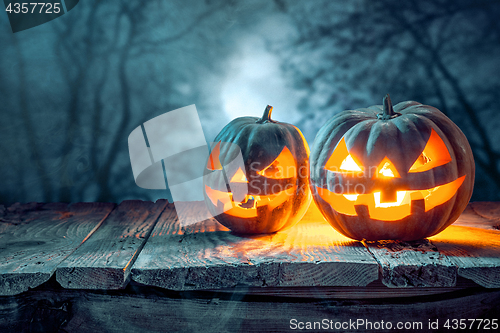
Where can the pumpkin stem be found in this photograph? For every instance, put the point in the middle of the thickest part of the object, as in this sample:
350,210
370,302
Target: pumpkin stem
388,110
266,117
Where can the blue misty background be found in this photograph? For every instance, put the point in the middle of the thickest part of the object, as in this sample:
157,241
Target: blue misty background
72,90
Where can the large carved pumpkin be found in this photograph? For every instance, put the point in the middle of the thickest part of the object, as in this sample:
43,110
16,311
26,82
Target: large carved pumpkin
271,190
404,172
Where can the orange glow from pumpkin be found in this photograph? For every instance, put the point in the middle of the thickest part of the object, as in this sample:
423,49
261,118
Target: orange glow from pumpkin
224,202
400,197
348,164
434,154
351,197
213,162
386,169
246,208
390,211
239,177
282,167
341,160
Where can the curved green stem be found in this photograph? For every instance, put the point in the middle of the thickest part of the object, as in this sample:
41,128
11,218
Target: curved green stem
266,117
388,110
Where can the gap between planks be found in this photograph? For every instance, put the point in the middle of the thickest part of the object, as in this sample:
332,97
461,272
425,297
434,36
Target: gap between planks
206,256
105,259
469,248
35,238
305,255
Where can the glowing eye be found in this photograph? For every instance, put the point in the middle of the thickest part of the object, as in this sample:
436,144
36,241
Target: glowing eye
239,177
386,169
341,160
422,160
213,162
434,154
348,164
282,167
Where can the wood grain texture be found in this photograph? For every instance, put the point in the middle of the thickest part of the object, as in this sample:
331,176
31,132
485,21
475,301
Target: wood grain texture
475,252
207,255
139,310
104,260
412,264
375,290
35,238
484,215
91,250
489,210
429,264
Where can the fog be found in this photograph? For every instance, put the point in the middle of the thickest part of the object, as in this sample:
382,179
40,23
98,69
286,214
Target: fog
73,89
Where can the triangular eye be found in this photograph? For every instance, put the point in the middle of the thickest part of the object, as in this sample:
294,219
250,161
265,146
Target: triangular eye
386,169
213,162
434,154
341,160
348,164
239,177
282,167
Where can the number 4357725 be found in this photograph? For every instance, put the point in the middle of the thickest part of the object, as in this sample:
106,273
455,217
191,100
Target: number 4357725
33,7
483,324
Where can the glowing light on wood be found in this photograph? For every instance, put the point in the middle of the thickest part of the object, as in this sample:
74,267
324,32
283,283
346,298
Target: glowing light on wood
282,167
386,169
434,154
390,211
213,162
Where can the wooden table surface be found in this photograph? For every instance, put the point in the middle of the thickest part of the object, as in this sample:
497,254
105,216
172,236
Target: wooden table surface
132,267
104,246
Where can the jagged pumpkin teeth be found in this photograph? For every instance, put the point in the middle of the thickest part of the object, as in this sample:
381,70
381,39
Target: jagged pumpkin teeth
403,172
271,190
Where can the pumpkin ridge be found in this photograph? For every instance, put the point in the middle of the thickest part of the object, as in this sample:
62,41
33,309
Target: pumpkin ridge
417,143
460,149
402,140
260,142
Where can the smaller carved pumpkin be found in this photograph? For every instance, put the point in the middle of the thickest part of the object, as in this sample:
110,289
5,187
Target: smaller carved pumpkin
404,172
271,190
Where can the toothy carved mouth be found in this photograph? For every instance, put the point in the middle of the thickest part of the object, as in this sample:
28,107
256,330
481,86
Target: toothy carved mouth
224,203
390,211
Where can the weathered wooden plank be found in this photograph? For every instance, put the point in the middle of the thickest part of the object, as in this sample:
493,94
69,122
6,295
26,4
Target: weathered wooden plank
484,215
207,255
412,264
424,264
104,260
476,253
489,210
375,290
143,310
35,238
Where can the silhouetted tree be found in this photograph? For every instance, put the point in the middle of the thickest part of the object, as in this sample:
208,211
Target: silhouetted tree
113,65
443,53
